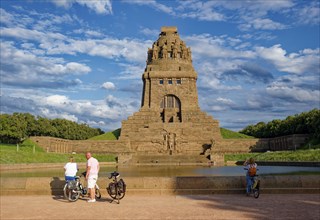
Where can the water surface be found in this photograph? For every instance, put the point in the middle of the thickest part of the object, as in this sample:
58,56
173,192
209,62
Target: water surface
164,171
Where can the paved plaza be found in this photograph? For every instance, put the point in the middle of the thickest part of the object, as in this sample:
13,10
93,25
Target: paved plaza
220,206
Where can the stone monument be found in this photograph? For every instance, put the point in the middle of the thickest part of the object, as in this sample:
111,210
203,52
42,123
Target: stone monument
170,121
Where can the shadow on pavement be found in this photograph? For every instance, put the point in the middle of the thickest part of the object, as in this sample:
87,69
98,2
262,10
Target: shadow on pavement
278,206
56,186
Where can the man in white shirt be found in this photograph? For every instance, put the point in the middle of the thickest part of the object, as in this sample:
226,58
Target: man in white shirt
92,175
71,169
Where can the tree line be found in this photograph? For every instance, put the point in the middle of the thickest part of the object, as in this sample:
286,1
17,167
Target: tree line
19,126
303,123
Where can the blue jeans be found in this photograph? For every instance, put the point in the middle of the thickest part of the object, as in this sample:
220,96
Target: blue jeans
69,178
249,183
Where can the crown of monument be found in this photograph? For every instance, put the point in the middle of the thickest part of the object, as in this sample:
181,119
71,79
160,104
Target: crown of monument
169,46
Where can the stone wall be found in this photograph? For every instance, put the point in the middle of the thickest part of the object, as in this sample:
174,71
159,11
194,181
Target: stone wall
187,147
58,145
155,149
289,142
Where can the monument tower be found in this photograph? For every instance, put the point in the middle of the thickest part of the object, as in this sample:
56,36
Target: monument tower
169,121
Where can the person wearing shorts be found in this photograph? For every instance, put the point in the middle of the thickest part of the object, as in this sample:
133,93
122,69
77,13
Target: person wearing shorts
92,175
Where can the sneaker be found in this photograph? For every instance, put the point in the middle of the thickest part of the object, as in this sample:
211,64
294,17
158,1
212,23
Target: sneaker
91,200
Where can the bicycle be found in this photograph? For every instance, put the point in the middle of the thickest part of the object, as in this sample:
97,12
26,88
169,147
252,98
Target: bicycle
117,188
73,189
255,185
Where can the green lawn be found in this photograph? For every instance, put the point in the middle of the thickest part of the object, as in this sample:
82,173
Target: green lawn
27,153
298,155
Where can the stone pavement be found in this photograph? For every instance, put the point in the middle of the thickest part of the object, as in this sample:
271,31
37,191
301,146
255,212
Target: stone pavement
217,206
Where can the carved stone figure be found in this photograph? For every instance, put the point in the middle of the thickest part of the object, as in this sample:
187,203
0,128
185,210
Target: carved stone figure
175,50
189,54
155,52
164,51
184,52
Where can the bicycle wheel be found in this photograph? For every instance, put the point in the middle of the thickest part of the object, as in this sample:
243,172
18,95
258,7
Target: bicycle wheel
73,195
66,191
256,193
120,193
98,194
111,189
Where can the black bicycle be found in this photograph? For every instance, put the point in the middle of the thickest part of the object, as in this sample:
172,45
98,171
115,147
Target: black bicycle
255,185
117,188
73,189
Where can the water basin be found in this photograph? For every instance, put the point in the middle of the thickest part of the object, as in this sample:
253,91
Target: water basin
165,171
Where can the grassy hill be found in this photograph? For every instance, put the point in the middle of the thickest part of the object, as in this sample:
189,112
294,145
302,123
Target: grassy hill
228,134
112,135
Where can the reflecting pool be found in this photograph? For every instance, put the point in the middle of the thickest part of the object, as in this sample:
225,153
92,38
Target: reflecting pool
166,170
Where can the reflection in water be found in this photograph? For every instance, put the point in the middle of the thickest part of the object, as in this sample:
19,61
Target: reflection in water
163,170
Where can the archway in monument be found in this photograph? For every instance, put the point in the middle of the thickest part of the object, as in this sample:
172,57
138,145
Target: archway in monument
170,109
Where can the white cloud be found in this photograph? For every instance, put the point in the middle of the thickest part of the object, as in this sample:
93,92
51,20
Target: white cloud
225,101
284,92
152,3
99,6
56,100
34,35
309,14
108,85
265,24
149,32
304,61
6,18
111,48
209,46
18,66
250,14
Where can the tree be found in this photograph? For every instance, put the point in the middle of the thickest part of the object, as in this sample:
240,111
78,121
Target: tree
303,123
18,126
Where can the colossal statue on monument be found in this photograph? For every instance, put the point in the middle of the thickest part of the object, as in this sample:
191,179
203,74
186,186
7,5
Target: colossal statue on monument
170,121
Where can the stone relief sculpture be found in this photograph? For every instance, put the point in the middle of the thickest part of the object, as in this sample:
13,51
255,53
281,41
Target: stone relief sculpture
169,142
172,137
189,54
164,51
184,52
150,51
175,50
155,52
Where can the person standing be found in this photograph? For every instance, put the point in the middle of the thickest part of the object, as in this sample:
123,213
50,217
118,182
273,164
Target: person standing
92,175
70,169
251,168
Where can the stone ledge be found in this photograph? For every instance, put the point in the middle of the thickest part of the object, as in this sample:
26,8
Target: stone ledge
168,185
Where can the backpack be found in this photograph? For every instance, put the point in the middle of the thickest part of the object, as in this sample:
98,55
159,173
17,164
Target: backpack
252,170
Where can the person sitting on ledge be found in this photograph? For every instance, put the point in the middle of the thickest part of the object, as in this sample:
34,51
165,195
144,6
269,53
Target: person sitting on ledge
71,169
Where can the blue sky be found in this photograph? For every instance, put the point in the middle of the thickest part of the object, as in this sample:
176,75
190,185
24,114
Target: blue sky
83,60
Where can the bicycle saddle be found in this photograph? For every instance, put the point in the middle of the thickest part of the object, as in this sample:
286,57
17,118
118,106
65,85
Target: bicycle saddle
114,174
